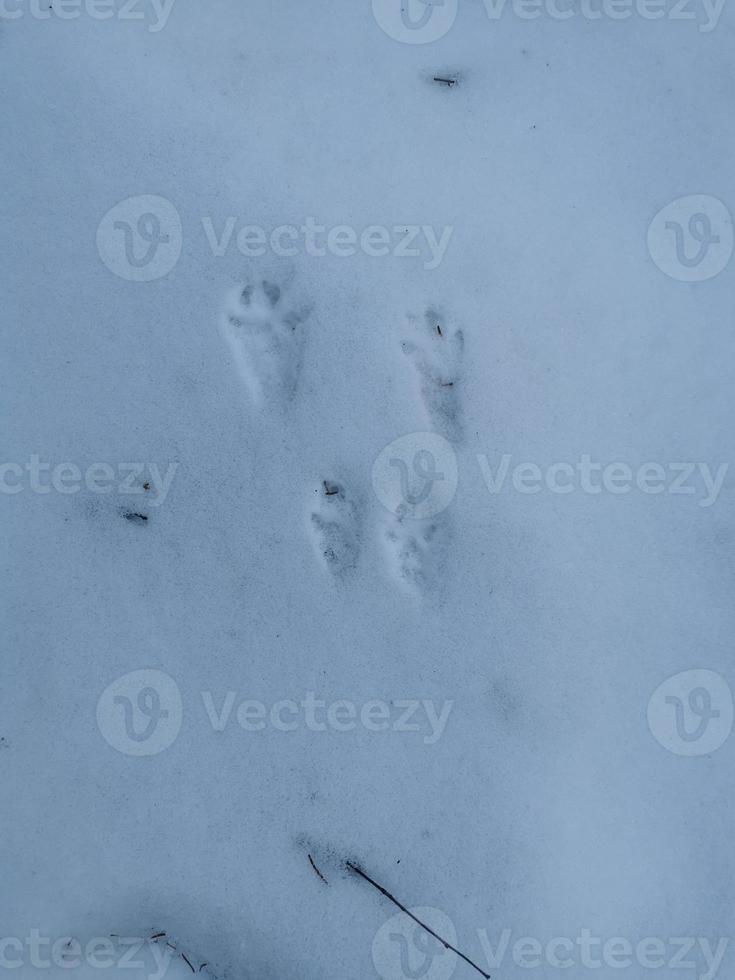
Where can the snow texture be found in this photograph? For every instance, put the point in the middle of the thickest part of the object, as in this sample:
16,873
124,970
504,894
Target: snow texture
211,655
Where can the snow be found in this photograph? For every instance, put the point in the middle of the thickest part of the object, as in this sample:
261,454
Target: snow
264,562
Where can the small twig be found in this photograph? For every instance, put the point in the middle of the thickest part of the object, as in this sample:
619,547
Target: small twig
135,517
445,944
330,489
158,935
183,957
311,862
446,81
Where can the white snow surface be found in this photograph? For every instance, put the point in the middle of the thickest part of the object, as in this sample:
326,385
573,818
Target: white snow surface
545,806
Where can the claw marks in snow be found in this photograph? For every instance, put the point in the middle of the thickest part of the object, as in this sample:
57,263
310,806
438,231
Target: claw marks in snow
266,336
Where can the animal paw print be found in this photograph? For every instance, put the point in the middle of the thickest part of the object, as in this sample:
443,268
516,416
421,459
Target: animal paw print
436,352
335,528
266,336
413,549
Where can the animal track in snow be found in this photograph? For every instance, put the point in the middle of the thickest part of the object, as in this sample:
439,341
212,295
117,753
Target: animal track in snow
436,352
413,548
334,526
266,336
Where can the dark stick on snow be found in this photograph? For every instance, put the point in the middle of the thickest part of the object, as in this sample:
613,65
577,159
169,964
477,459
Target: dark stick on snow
183,956
311,862
445,944
446,81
